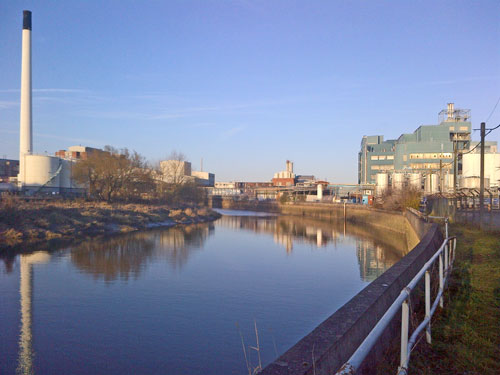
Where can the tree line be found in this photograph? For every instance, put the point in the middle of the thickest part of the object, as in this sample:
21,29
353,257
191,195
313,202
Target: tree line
115,174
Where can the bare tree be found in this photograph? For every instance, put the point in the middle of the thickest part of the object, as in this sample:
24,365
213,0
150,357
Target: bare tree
114,173
176,170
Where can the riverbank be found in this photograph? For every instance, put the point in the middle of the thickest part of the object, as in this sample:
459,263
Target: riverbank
24,224
466,334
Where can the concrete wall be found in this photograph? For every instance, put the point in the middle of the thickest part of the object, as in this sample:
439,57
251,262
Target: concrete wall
338,336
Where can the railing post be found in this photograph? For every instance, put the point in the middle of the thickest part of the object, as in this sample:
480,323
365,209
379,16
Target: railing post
441,283
428,305
405,320
446,226
446,258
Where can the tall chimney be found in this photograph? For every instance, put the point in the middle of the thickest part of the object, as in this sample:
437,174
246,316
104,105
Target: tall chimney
26,127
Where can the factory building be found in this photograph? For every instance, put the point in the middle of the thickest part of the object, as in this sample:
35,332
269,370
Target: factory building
179,172
204,179
429,149
9,169
77,152
285,178
471,165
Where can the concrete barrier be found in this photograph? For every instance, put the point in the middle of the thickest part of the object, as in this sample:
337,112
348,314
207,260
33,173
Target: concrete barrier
334,340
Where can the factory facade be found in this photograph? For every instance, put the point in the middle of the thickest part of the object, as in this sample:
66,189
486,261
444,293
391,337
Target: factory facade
429,149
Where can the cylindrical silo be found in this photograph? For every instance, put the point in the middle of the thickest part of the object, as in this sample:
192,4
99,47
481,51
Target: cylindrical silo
381,183
431,184
398,181
65,174
320,192
448,183
42,170
415,181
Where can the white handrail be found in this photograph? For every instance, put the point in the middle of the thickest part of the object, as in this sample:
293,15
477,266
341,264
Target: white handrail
354,363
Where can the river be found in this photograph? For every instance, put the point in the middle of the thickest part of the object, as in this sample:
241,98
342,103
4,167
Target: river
185,300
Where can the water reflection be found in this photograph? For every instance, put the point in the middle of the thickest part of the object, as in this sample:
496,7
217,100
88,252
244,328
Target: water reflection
213,284
126,256
376,250
25,360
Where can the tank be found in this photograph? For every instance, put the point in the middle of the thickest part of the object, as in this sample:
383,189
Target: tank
431,184
448,183
398,181
474,182
415,181
381,183
41,170
320,192
65,175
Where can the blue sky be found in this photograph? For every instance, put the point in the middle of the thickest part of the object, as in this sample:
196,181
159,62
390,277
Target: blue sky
246,85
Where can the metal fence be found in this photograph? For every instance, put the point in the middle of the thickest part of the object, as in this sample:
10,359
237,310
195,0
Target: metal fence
445,256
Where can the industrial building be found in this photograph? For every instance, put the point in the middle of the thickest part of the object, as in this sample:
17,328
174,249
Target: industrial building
430,148
285,178
9,169
179,172
437,158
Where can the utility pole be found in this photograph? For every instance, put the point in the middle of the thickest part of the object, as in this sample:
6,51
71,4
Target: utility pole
441,176
455,167
481,182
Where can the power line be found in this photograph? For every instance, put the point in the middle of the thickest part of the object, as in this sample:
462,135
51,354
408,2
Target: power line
493,110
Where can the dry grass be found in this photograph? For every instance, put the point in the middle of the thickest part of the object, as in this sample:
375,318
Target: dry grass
23,222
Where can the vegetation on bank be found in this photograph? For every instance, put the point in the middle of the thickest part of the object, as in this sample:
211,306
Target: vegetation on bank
37,221
121,175
466,333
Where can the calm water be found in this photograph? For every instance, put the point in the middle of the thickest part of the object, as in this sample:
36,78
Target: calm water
180,300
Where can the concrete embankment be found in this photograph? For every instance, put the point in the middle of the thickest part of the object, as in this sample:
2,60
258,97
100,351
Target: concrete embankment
330,345
24,224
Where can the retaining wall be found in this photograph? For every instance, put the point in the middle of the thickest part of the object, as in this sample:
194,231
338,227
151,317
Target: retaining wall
336,339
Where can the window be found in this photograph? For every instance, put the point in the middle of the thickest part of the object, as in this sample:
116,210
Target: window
405,157
464,128
390,157
381,157
374,157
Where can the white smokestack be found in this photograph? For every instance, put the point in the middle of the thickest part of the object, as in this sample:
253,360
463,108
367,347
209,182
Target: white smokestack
26,127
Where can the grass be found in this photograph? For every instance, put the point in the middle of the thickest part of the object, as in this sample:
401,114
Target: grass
466,334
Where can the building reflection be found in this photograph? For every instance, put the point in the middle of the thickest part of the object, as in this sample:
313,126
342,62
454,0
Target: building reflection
25,359
125,257
376,250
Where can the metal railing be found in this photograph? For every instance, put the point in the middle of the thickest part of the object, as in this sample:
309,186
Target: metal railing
445,256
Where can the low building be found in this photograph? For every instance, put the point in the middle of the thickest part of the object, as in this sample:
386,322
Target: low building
204,179
77,152
9,169
176,171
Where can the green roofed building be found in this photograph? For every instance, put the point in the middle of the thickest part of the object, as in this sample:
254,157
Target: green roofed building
428,149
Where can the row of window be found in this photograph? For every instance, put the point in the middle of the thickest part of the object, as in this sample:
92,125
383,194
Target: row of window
430,155
461,128
382,167
429,166
382,157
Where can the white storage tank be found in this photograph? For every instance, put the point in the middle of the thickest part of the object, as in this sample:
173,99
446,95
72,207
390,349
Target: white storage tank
398,181
474,182
40,169
381,183
448,183
415,181
320,192
65,175
431,184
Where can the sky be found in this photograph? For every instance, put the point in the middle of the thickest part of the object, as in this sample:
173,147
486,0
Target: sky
246,85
